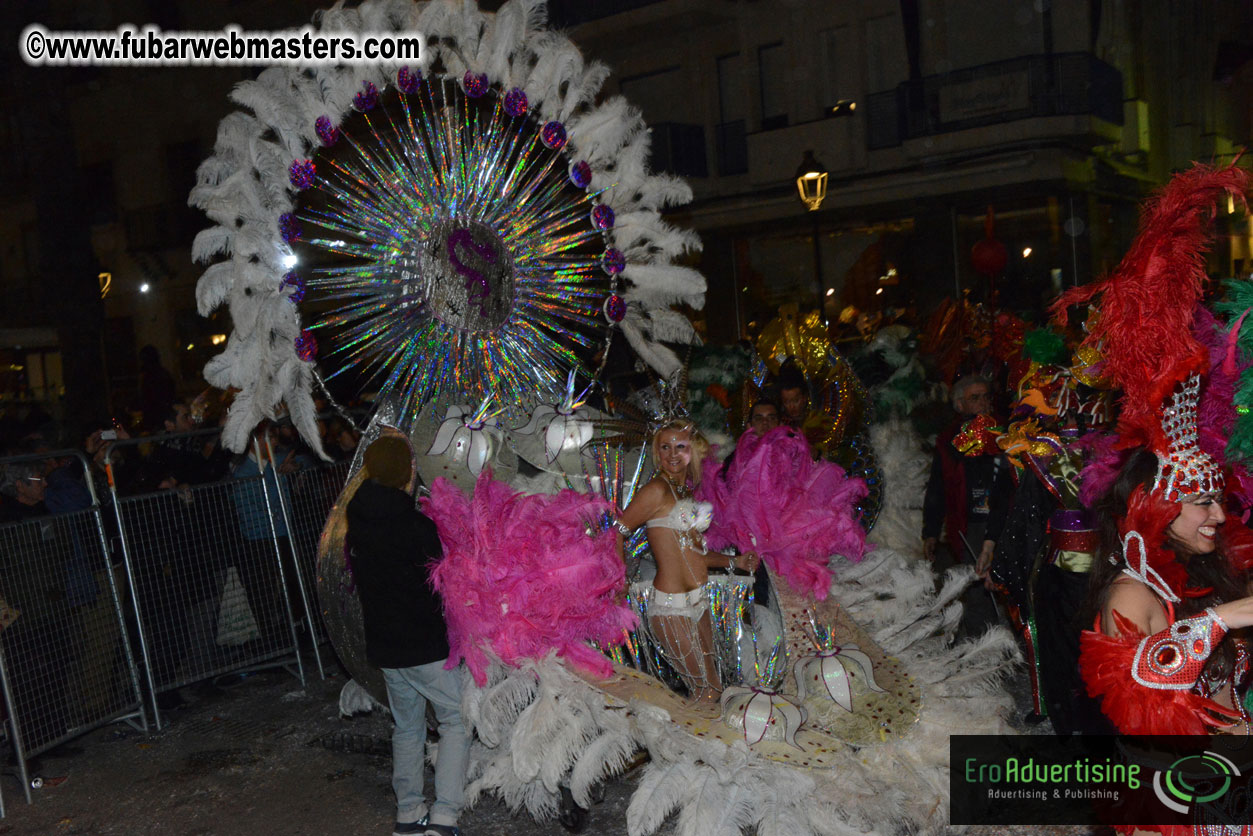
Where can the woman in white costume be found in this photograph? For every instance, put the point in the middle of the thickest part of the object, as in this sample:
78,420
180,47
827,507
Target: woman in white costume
676,604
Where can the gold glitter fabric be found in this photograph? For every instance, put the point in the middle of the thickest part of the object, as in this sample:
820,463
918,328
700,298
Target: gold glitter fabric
801,337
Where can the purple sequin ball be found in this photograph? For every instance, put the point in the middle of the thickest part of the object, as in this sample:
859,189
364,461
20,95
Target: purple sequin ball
581,174
327,133
367,98
475,84
408,81
306,346
301,174
289,227
297,284
515,102
613,261
602,216
553,135
615,308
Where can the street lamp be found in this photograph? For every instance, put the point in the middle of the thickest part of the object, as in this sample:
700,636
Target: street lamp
811,181
811,185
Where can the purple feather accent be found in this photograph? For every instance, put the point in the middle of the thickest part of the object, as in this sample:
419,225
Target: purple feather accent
1103,463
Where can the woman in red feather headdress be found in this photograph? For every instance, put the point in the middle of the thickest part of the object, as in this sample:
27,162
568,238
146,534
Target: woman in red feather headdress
1170,604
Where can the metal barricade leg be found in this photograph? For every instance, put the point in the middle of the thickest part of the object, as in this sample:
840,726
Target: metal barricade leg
115,596
141,627
15,733
278,557
295,565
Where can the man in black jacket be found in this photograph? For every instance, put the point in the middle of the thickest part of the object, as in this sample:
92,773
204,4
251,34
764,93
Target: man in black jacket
392,542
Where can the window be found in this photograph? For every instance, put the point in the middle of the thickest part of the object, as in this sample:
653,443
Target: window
732,116
886,63
841,78
773,79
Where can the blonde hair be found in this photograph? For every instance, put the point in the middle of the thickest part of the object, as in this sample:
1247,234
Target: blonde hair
700,446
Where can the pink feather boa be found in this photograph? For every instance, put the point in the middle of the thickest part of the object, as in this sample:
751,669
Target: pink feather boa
793,511
521,576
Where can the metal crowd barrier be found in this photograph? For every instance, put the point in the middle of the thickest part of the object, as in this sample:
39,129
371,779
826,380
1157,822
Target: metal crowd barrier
211,567
313,493
66,663
209,579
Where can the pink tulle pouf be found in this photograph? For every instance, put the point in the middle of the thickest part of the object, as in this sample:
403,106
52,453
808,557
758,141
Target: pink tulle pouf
521,576
795,512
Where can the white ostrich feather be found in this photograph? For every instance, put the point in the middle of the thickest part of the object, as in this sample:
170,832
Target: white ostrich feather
660,791
656,282
243,188
712,805
605,130
607,755
655,355
905,469
353,699
671,326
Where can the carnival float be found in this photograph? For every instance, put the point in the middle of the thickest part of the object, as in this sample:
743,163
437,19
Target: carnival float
478,232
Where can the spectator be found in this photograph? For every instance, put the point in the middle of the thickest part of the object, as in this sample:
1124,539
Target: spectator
94,684
405,635
33,551
949,497
262,531
968,496
764,416
341,439
23,485
793,395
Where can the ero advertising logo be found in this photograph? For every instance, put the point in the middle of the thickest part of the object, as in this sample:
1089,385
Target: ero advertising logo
1194,780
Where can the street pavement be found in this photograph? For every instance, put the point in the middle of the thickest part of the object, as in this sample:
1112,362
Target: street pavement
261,755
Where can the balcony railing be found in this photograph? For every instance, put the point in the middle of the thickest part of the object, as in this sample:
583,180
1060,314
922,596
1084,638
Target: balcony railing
990,94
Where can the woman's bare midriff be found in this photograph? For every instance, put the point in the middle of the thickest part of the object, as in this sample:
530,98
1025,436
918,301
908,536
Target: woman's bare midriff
672,575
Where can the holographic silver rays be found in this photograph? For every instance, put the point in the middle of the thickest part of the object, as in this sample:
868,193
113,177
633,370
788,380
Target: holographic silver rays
467,260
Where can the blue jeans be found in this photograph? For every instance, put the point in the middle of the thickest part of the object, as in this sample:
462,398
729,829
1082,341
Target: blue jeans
408,690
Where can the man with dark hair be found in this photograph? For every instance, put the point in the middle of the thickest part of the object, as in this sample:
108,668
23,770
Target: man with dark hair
793,395
763,416
405,634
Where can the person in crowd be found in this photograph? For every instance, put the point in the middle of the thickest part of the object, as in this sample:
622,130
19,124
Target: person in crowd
763,416
94,674
33,551
793,396
22,487
262,525
180,460
951,498
341,439
968,494
392,543
676,604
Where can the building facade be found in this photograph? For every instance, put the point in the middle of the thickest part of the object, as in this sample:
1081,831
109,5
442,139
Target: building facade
1051,118
1054,117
